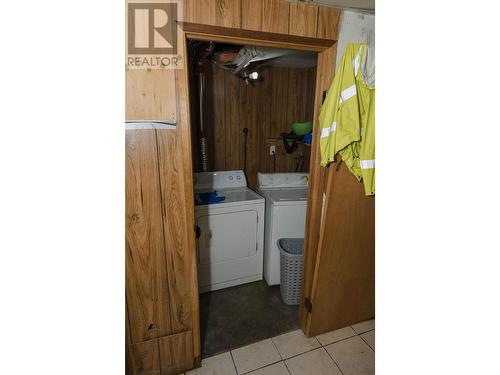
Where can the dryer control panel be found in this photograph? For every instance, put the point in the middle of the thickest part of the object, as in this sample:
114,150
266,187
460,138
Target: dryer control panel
209,181
282,180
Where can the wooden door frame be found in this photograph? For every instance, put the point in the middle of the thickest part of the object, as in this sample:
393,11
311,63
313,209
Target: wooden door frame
325,70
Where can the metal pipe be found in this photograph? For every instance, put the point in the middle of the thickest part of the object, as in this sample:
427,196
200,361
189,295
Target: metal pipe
201,88
203,135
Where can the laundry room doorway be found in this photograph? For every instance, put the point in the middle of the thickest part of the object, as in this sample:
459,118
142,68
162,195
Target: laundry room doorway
245,92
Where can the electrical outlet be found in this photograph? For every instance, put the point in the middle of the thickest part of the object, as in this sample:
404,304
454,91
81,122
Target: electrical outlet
272,150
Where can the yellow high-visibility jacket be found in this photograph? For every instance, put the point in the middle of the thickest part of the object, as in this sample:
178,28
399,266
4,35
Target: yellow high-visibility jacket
347,118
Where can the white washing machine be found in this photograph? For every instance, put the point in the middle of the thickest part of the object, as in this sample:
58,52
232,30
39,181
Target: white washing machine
286,206
230,244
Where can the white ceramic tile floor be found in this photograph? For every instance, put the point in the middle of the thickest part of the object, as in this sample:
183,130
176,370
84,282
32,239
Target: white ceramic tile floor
363,327
369,338
345,351
254,356
220,364
353,356
292,343
336,335
317,362
276,369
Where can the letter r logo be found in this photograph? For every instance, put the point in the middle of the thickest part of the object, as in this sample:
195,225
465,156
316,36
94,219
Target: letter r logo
152,29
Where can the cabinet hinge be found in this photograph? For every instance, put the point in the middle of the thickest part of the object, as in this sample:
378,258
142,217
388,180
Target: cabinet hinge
308,304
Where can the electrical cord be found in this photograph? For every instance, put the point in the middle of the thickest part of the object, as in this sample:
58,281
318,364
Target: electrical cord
245,134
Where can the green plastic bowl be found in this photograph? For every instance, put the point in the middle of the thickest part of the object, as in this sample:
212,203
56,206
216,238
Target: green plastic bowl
302,128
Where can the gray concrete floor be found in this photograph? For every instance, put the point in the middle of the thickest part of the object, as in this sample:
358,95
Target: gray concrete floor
242,315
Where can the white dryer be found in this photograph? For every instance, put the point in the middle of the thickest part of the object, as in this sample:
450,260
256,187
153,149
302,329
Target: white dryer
230,243
286,206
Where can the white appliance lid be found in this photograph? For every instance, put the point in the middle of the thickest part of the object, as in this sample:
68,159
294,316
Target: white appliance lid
210,181
234,197
282,180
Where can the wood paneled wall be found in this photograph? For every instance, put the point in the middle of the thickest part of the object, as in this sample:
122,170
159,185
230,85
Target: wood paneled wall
273,16
266,108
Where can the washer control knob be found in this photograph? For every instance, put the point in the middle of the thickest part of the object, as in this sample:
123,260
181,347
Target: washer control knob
231,178
238,177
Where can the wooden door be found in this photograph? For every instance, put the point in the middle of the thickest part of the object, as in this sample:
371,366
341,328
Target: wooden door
338,285
343,288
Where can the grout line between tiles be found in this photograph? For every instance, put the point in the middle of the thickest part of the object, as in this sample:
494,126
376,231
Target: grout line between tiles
361,337
269,365
258,368
250,343
296,355
307,351
234,363
287,369
350,337
334,361
293,356
275,347
360,333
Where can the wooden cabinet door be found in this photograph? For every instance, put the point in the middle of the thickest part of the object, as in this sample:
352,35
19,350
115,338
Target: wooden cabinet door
146,281
161,283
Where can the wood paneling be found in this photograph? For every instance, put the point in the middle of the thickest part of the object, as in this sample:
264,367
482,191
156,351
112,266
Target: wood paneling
174,228
275,16
266,15
226,13
343,289
251,115
188,7
184,137
279,113
146,281
148,95
233,127
218,124
251,14
144,358
328,23
176,353
271,16
204,11
264,124
303,20
324,76
266,108
167,355
161,283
